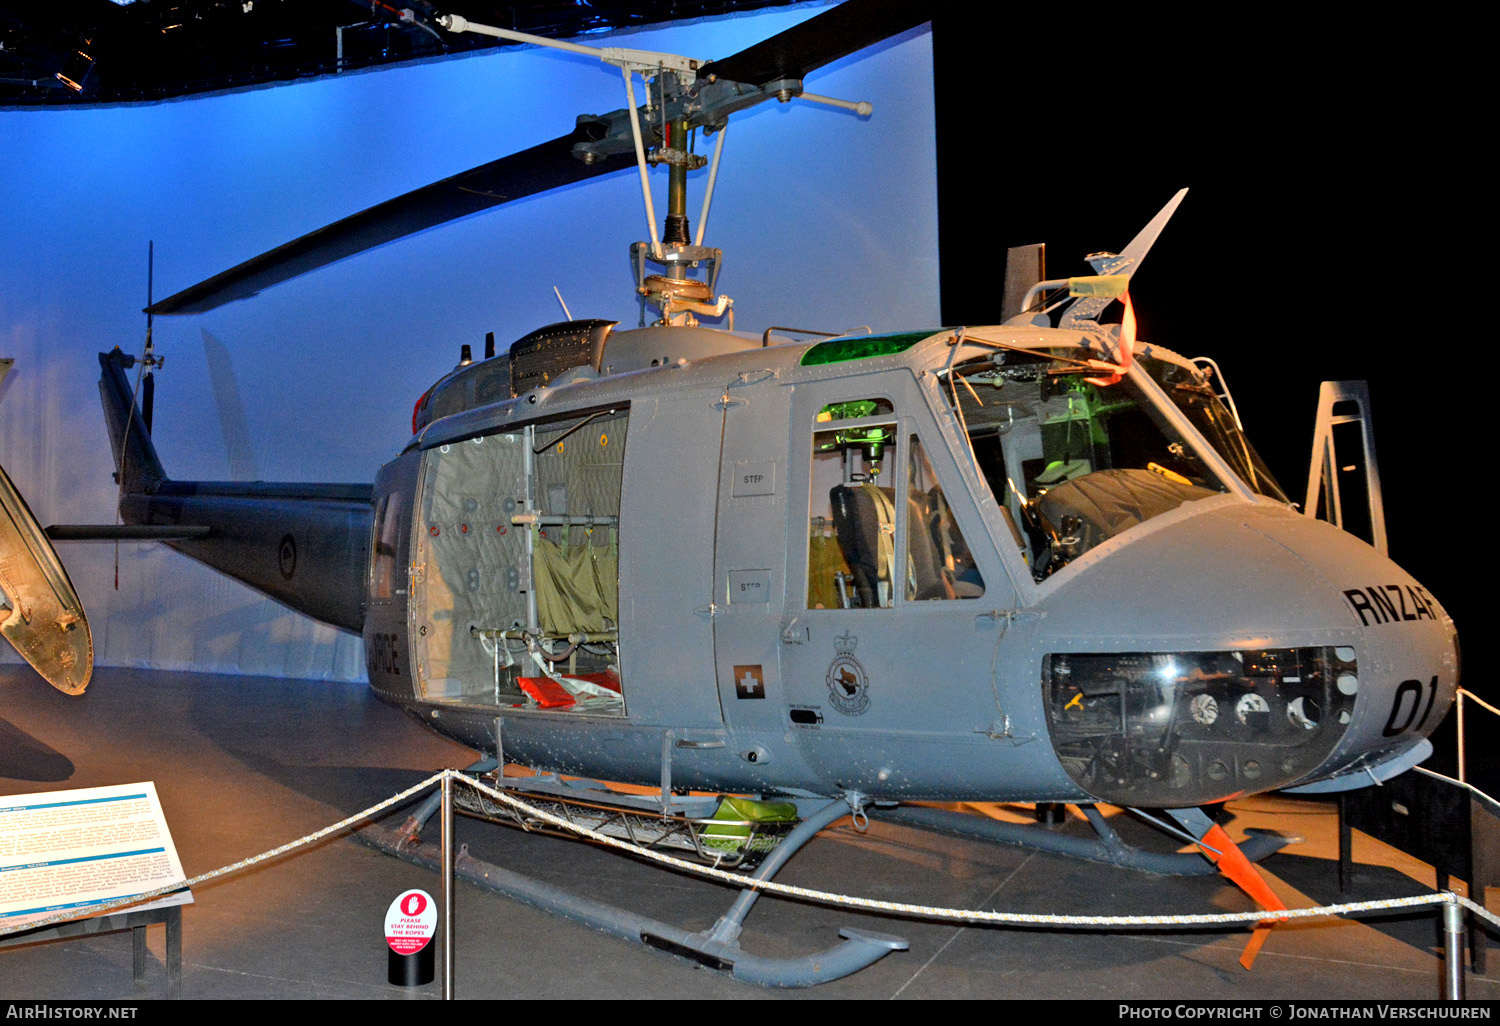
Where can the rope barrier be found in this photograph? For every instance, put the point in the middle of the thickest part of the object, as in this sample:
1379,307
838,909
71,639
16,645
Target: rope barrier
932,912
771,887
1476,908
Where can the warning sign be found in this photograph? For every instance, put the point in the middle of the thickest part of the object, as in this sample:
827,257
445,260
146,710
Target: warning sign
410,922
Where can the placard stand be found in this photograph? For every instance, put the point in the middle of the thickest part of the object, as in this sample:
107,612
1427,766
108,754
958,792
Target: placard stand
135,921
66,852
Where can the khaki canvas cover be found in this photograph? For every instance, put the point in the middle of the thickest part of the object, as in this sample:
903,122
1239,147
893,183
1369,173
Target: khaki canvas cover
1108,502
575,585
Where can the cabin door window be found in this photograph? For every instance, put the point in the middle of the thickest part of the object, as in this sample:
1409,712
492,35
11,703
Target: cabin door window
852,517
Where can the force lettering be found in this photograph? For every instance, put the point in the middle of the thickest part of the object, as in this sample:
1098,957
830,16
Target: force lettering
1391,603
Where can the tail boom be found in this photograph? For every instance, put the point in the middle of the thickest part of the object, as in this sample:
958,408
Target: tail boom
305,545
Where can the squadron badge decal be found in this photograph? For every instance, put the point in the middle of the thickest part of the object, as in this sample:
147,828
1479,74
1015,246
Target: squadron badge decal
286,556
848,684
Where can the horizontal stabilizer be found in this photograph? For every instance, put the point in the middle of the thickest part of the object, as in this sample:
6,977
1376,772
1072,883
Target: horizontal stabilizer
124,532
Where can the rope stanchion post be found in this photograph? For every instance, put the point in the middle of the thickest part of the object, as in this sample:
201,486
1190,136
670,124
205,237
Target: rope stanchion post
448,885
1459,697
1453,947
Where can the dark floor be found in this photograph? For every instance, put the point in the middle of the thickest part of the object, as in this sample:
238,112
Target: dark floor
244,764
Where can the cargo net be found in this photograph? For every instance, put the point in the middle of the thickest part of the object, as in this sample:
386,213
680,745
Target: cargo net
723,831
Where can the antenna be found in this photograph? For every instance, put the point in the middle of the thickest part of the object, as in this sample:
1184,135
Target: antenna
148,359
145,390
150,286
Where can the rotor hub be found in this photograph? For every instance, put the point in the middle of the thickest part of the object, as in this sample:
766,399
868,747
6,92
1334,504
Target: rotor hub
659,286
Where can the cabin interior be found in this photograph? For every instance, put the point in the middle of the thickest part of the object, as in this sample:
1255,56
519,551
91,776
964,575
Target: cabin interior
516,557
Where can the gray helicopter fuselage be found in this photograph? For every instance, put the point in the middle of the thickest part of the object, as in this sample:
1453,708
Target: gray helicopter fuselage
1224,645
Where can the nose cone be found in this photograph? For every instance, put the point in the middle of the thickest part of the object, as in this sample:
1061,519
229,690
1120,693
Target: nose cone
1236,572
1239,648
1407,644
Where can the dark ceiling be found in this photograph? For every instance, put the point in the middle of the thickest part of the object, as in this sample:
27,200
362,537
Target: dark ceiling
101,51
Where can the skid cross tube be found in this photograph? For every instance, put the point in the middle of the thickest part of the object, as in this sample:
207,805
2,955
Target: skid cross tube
424,812
727,929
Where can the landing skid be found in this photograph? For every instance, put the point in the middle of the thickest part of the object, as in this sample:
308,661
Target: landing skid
1106,846
715,948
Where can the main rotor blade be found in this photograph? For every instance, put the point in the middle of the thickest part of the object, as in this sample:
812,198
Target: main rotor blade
549,165
850,26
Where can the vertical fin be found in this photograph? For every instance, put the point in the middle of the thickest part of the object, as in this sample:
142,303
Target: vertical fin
136,463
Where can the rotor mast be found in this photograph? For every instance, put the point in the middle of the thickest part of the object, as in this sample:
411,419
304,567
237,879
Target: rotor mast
674,291
682,94
675,231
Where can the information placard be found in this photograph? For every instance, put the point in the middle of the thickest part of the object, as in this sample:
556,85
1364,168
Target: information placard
66,850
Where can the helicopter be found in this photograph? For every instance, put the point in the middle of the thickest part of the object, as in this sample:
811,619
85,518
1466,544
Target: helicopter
1036,560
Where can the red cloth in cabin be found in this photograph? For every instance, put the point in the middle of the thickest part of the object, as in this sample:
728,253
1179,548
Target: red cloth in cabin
549,694
607,679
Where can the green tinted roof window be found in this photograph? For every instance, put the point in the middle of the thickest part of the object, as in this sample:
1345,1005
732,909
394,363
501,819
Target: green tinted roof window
839,350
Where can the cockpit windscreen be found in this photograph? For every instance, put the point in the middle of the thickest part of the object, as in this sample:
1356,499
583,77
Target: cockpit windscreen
1073,462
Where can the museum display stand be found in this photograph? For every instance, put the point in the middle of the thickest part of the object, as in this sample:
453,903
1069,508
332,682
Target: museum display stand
136,921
